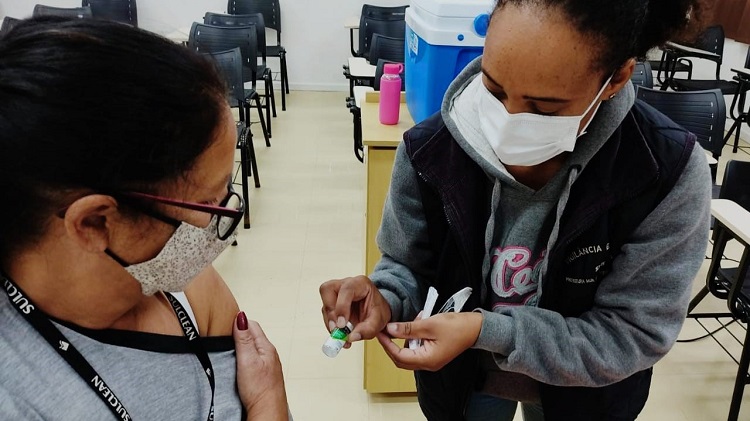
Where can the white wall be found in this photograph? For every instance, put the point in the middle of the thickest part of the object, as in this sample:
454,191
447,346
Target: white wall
312,31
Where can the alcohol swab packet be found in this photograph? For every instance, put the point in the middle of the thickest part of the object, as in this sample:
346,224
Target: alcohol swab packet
429,304
455,303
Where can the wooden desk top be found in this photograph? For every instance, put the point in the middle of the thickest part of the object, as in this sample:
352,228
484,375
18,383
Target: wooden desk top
376,134
733,216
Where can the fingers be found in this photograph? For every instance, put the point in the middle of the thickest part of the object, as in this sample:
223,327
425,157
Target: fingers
418,329
350,292
366,329
403,358
244,341
249,338
328,294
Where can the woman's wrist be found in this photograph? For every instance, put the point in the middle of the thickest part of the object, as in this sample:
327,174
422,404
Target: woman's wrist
272,406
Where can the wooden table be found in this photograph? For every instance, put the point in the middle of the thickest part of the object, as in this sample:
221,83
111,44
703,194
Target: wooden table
380,142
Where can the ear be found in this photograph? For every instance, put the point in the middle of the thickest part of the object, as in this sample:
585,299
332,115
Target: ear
88,221
619,79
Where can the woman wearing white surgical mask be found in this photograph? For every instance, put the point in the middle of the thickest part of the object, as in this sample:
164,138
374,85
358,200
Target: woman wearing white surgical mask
116,151
577,215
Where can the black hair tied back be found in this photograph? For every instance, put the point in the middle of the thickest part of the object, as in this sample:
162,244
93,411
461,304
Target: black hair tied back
626,28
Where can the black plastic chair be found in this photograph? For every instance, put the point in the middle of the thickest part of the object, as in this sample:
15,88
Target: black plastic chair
712,41
271,11
370,26
211,39
642,75
230,64
125,11
730,284
386,48
69,12
701,112
739,113
661,66
262,71
369,11
8,24
354,108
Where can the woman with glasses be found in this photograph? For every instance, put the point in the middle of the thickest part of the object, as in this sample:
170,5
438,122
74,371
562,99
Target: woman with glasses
577,216
116,149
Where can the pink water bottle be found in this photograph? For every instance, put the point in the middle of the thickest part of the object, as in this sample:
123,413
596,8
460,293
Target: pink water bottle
390,93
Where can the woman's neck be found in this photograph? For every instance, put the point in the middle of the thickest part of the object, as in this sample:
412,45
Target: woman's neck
537,176
85,294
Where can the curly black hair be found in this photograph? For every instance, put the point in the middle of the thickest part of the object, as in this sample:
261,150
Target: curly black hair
625,28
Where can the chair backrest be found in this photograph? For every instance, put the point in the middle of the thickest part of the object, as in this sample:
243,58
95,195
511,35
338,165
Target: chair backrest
386,48
8,24
370,26
712,39
380,68
383,12
72,12
701,112
736,184
229,21
229,64
642,75
270,9
125,11
212,39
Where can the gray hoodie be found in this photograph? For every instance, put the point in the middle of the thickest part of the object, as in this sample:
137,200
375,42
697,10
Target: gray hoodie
639,307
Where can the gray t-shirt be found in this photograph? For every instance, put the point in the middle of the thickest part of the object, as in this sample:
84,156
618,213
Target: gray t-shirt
155,376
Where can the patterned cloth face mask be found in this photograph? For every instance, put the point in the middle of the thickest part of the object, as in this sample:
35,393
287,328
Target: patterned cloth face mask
185,255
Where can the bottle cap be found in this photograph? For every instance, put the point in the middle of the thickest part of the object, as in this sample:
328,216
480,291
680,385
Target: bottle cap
393,68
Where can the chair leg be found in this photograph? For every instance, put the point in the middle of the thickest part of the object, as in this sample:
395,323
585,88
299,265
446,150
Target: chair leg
268,110
735,126
697,299
266,134
271,93
284,81
244,175
285,76
253,159
741,380
358,147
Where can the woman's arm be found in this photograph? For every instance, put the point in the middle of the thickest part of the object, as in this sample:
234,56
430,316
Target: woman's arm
639,307
213,303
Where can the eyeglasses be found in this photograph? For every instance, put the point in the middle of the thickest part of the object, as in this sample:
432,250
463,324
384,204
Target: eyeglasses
229,212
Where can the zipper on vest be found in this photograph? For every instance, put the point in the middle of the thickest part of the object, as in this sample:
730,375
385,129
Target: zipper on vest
463,252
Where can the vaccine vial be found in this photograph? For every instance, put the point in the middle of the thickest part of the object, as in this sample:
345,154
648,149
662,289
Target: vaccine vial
336,341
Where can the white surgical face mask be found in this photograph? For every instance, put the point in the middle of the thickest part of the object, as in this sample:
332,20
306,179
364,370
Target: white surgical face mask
185,255
527,139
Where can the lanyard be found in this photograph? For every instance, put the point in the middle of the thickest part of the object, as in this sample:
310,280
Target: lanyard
73,357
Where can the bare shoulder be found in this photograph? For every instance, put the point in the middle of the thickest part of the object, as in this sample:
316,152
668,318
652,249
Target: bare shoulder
213,303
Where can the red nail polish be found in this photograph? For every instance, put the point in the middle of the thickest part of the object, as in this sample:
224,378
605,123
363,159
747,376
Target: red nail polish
241,321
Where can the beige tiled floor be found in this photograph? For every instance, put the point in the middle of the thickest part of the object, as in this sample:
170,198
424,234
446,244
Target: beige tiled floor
307,228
